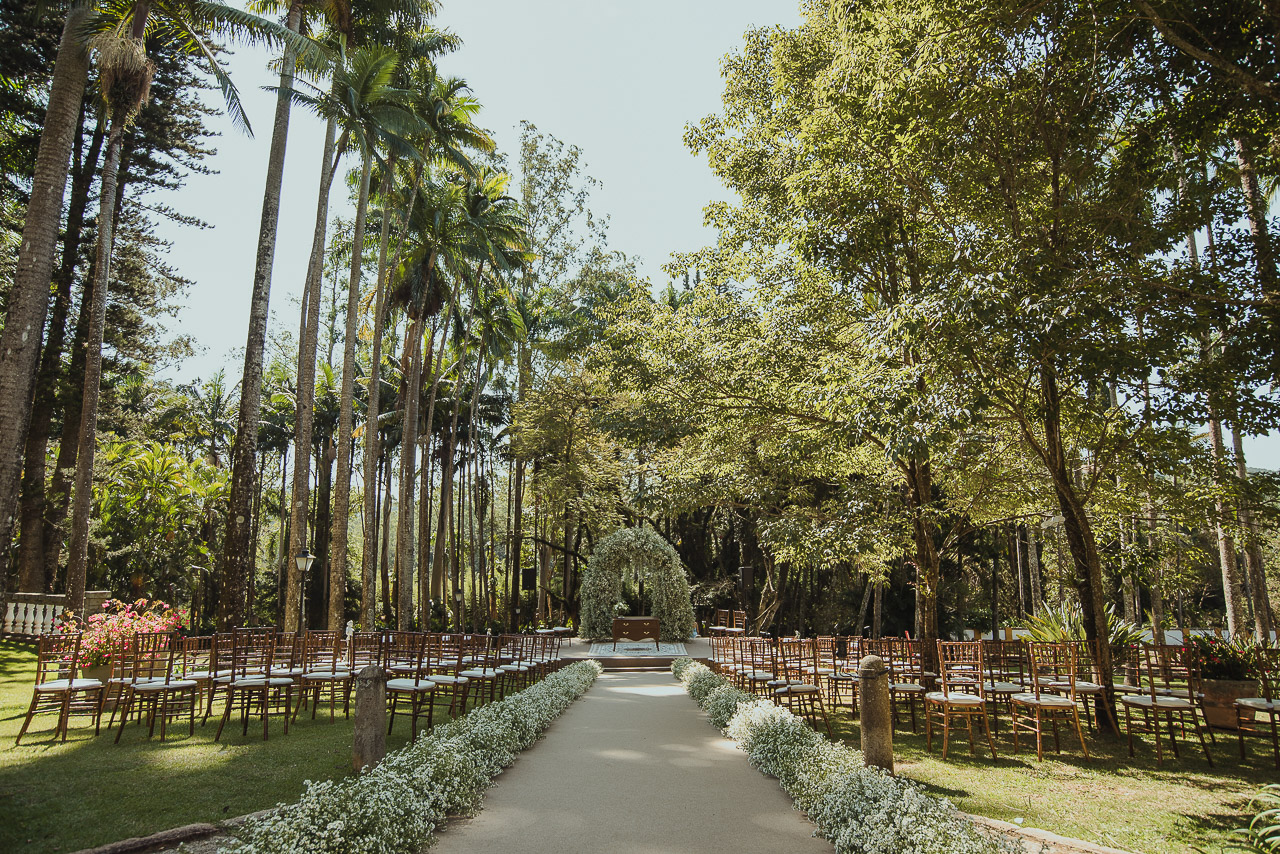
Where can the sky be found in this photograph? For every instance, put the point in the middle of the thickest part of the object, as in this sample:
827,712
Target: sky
619,80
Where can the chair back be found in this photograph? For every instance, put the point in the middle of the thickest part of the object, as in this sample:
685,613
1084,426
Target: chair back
960,667
1053,668
404,655
793,655
1269,672
1005,661
322,652
153,657
290,651
1169,671
58,657
252,650
904,661
196,655
365,648
739,620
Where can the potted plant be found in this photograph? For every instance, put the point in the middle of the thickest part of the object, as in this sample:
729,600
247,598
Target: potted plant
1228,671
103,634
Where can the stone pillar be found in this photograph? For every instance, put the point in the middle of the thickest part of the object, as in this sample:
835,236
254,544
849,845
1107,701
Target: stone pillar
370,743
875,713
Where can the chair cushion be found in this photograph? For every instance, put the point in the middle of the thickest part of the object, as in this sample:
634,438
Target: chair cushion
907,687
69,685
410,685
175,685
1002,687
445,679
479,673
262,682
1258,704
1081,687
955,698
327,675
1046,701
797,689
1146,701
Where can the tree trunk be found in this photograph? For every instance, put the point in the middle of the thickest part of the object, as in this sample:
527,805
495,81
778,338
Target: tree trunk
412,393
1255,209
78,558
346,416
928,565
239,559
35,575
1079,533
1232,589
1263,623
386,544
1033,570
28,298
307,339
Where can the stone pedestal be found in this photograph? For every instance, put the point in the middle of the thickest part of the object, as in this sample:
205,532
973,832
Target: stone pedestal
370,740
875,713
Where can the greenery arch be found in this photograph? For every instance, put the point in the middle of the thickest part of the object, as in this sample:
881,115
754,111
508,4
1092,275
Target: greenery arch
639,549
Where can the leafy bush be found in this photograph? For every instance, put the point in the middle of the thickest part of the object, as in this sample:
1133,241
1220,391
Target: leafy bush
117,621
395,807
1215,658
1065,622
860,810
1263,833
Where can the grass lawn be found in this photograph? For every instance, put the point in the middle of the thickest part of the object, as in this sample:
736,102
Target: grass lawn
1110,799
57,797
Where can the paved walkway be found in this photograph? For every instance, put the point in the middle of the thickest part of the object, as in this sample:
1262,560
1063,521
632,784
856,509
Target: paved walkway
633,767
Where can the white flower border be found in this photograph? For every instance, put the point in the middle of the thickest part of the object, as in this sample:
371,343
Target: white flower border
395,807
860,810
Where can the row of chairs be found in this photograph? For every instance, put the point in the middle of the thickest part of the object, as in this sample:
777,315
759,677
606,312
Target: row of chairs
1040,684
161,676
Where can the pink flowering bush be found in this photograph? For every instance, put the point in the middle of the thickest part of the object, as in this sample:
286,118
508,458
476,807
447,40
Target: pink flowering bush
118,621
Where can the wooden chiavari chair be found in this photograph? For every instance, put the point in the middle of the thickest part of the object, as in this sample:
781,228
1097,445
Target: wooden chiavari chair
1251,711
1169,675
1005,674
480,665
843,681
405,654
153,686
1051,664
57,688
442,660
324,669
251,682
962,694
801,697
757,668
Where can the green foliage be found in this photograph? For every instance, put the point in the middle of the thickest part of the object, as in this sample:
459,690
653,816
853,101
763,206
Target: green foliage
157,514
1263,832
1214,658
1064,622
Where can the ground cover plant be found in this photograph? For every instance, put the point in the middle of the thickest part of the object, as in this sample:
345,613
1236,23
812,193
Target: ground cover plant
1133,804
860,810
396,807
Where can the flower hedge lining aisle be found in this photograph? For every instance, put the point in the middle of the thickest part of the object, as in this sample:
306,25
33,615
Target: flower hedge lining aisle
860,810
395,807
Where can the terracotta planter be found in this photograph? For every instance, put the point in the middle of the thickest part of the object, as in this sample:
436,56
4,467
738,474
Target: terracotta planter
1220,696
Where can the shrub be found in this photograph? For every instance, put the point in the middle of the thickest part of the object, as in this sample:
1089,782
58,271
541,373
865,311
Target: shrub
395,807
117,621
860,810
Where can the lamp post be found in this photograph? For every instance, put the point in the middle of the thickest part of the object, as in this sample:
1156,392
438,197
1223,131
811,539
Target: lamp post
303,561
457,607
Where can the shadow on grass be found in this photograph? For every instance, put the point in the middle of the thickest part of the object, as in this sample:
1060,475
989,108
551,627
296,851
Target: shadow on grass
88,791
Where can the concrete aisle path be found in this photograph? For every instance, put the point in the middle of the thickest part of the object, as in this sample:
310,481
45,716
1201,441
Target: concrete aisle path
633,767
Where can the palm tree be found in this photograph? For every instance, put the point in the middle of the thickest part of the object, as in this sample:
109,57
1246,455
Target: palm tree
371,112
447,113
125,70
355,29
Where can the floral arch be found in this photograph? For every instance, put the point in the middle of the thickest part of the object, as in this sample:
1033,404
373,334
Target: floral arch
649,556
